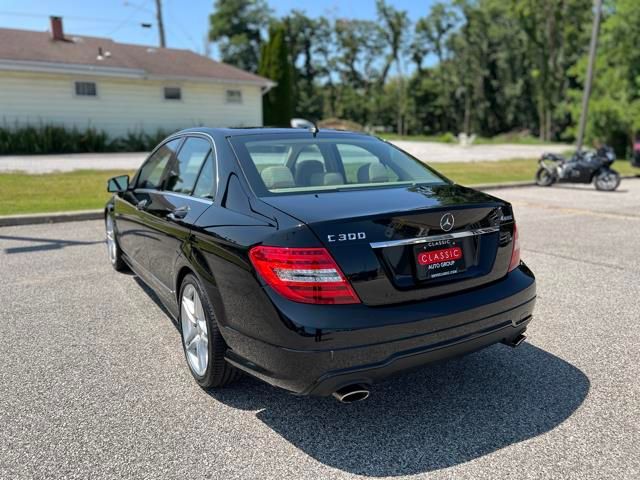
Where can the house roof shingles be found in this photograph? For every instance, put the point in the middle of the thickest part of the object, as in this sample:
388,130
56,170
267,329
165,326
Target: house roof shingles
33,46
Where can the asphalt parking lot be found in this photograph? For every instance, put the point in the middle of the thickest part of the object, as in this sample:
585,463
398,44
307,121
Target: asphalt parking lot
93,383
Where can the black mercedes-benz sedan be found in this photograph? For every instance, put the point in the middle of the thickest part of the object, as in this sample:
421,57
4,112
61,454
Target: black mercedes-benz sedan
317,261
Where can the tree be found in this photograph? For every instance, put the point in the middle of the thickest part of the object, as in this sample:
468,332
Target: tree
237,27
396,26
557,35
614,112
307,39
431,34
275,65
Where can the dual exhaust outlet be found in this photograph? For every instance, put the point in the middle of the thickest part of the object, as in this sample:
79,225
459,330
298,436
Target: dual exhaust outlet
351,393
358,392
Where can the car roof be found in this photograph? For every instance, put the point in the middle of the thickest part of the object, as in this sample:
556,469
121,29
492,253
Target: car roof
240,131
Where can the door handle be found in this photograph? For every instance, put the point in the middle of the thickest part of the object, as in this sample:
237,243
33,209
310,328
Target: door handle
142,205
179,213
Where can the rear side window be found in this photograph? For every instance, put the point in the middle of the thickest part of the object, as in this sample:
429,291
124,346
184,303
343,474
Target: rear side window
184,169
150,175
206,184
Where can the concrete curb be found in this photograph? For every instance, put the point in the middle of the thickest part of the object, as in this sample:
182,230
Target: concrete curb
58,217
53,217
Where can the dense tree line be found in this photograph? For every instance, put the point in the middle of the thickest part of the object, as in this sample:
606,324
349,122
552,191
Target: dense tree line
477,66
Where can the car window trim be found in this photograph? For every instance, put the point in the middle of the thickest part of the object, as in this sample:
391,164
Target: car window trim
207,201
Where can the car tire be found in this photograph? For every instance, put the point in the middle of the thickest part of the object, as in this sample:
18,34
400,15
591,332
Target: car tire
113,249
198,321
544,178
607,181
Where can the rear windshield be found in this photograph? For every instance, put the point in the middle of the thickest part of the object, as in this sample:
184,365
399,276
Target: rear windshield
292,163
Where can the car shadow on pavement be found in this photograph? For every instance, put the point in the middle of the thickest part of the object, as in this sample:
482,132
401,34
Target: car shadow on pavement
43,244
440,416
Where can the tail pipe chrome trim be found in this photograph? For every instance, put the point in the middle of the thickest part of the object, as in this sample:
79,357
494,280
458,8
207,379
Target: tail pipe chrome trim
435,238
351,393
515,341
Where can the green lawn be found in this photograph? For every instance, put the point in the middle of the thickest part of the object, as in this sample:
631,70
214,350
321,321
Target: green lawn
86,189
54,192
449,138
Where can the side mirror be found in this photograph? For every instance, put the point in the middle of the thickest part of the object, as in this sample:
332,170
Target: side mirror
118,184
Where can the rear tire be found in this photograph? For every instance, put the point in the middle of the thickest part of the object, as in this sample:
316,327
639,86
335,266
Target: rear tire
113,249
607,181
203,345
544,178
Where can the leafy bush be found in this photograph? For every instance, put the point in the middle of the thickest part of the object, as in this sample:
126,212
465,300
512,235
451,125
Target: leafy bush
447,137
50,138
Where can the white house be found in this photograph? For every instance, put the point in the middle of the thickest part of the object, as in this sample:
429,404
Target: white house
88,81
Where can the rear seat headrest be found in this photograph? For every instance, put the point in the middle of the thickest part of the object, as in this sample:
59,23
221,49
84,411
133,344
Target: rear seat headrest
277,177
378,173
372,173
305,169
331,178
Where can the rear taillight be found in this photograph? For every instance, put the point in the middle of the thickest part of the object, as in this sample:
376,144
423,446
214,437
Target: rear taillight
515,253
307,275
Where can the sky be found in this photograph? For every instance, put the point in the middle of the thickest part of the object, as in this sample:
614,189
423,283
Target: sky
186,21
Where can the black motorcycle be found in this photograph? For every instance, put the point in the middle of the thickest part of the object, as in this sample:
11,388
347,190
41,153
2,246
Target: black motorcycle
582,167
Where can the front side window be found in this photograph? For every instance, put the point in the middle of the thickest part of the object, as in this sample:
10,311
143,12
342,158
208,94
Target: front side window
151,173
86,89
185,167
291,163
172,93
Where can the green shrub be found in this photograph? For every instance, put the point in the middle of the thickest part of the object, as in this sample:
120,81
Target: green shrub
50,138
447,137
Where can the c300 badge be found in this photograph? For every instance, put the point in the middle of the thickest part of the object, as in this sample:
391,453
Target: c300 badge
345,237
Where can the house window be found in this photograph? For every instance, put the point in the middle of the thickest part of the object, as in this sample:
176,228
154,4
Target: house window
234,96
172,93
86,89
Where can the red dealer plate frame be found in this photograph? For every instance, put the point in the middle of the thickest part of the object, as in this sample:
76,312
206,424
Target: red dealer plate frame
438,262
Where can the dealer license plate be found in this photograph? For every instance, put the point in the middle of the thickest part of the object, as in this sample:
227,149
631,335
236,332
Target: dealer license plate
437,261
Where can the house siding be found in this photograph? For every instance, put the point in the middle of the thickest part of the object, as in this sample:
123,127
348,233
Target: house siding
123,105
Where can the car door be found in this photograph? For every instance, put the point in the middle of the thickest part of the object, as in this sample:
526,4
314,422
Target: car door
131,206
187,191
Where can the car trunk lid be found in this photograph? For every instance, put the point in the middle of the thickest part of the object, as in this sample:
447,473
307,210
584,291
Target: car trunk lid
412,243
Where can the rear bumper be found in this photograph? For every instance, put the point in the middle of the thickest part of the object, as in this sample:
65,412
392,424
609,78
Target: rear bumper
426,332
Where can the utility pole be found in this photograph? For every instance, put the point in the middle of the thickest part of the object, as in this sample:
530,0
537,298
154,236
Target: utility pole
160,24
590,68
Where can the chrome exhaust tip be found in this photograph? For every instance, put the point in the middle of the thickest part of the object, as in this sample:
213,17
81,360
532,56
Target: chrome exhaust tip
515,341
351,393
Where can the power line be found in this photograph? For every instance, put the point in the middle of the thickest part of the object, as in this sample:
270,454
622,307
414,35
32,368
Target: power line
128,19
40,15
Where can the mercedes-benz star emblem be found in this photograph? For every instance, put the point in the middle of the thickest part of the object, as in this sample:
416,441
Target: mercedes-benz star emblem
446,222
